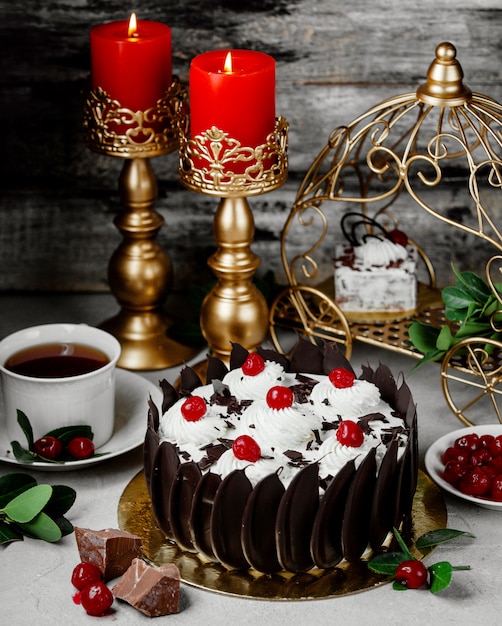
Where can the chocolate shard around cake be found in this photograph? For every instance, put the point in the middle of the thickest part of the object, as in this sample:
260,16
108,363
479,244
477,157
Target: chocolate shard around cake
216,369
333,358
226,519
384,498
169,395
183,488
237,356
326,543
165,466
356,521
259,523
190,380
155,591
111,550
200,515
307,357
295,520
268,354
153,414
150,447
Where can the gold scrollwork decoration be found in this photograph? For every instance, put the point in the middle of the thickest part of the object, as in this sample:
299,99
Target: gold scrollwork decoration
217,164
114,130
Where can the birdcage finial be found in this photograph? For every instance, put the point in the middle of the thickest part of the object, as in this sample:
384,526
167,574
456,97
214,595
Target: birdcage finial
444,86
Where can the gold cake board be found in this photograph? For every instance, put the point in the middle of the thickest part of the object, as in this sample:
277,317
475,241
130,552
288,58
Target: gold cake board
135,516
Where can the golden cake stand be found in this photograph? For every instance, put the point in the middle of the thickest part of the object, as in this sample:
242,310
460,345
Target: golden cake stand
401,151
135,516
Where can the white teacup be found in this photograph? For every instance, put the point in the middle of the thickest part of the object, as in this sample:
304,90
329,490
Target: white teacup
66,400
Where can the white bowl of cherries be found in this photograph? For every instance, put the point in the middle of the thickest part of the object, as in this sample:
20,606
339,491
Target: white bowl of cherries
468,463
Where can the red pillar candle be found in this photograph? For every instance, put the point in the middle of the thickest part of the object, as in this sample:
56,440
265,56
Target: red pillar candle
133,66
237,99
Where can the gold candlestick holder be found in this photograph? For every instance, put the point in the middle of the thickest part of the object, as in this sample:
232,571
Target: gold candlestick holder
140,272
234,311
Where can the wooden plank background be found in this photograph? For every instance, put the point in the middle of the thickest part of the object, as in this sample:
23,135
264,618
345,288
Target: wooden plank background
334,59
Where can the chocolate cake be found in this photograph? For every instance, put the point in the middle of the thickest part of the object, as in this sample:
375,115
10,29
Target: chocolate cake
282,463
375,273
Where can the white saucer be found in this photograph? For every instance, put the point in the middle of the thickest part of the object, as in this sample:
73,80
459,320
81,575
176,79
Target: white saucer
435,466
131,408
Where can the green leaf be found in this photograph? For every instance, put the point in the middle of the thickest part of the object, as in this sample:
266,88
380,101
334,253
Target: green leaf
423,336
402,543
25,425
67,433
445,339
61,500
42,527
456,298
65,526
440,574
387,563
442,535
455,315
473,284
11,485
28,504
9,533
23,455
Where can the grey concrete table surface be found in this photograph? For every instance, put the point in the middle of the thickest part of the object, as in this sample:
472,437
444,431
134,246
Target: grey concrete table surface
35,585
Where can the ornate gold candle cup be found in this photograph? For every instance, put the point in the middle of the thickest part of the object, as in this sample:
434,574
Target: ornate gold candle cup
140,271
213,163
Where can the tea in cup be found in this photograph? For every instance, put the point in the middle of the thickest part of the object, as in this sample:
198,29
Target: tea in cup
59,375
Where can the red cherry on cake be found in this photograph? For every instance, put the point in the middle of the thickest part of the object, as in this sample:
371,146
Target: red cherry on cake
245,448
341,378
398,236
253,365
411,573
350,434
194,408
280,397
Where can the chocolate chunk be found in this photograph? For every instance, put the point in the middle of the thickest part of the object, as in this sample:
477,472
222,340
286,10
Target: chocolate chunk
154,591
111,550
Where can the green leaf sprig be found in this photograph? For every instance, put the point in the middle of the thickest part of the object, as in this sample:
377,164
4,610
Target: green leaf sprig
65,434
440,574
471,306
33,510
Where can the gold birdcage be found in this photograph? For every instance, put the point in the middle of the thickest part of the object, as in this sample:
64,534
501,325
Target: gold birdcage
408,146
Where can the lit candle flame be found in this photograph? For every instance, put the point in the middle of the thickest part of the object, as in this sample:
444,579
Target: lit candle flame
133,26
227,67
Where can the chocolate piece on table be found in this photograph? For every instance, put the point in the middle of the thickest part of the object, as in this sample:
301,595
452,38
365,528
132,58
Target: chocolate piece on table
111,550
154,591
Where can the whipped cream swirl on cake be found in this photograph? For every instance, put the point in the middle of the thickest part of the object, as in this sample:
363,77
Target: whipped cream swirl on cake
246,387
291,435
350,402
376,251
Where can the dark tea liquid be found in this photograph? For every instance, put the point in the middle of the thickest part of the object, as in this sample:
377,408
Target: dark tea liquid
56,360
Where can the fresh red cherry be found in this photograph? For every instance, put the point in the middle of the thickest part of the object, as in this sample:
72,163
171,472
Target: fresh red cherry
80,448
496,489
398,236
486,440
475,482
279,397
245,448
468,442
455,454
48,447
341,378
96,598
495,446
194,408
454,470
85,574
350,434
480,457
411,573
496,464
253,365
